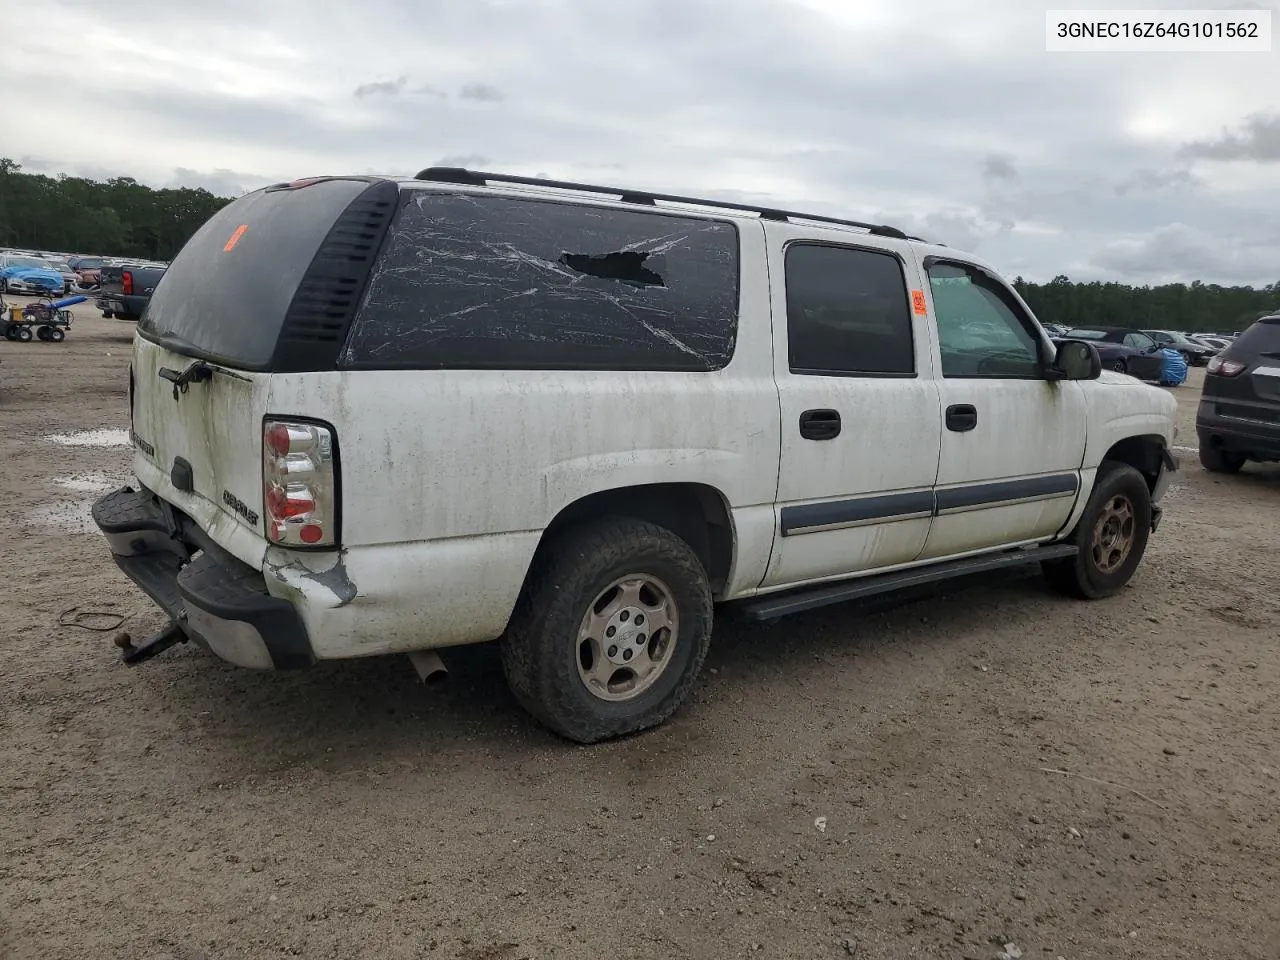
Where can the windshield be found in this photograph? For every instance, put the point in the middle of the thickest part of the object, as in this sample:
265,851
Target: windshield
26,262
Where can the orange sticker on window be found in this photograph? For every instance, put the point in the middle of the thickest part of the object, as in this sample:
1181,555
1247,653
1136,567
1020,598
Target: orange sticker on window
917,303
235,237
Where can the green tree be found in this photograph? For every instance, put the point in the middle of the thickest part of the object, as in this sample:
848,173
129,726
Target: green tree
119,217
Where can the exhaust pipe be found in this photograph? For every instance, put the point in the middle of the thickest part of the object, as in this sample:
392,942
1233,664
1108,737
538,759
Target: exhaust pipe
430,667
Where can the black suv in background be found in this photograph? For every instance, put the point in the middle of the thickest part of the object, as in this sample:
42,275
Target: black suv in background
1196,354
1239,415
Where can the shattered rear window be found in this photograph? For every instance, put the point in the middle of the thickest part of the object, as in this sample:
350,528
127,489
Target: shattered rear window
476,282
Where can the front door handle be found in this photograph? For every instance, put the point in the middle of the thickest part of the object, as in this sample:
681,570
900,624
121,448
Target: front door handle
962,417
820,424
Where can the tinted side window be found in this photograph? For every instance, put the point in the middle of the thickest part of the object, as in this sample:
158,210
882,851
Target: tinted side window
1139,341
477,282
981,332
847,312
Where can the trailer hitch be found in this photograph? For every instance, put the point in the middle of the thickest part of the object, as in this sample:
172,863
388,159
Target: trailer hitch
132,655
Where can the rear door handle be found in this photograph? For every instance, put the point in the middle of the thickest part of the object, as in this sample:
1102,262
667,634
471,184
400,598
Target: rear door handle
962,417
820,424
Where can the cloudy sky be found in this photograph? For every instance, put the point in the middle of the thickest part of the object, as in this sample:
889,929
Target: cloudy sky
945,117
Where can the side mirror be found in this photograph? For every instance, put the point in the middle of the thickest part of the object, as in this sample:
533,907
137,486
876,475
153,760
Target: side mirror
1077,360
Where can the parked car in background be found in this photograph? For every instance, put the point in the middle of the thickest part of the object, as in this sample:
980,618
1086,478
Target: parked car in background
1055,329
1239,415
1125,351
126,290
1217,341
33,276
70,279
89,270
1196,354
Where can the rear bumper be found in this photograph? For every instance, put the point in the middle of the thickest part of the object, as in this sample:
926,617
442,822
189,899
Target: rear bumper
219,602
121,303
1256,439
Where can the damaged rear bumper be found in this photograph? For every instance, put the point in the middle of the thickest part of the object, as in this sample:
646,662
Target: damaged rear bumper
218,601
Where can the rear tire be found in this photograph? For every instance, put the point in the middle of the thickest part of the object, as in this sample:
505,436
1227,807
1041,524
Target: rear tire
1111,535
22,335
107,315
42,332
593,585
1216,460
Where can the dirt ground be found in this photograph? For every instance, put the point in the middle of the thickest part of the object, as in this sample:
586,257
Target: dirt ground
189,809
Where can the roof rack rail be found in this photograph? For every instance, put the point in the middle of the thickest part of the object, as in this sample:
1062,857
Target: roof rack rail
476,178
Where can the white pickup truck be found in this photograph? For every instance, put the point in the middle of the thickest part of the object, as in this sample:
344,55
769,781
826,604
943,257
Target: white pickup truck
374,416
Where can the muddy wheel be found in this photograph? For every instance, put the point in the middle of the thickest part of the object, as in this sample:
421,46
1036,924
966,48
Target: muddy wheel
57,334
1217,460
42,332
1112,536
610,630
11,331
22,335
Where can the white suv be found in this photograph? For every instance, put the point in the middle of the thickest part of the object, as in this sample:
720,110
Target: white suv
375,416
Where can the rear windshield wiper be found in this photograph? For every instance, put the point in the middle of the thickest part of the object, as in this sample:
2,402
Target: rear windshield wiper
198,372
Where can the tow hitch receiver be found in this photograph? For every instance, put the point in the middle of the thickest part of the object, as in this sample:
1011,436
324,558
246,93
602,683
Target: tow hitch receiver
170,636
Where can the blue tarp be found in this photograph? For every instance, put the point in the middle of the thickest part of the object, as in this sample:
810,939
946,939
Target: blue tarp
1174,371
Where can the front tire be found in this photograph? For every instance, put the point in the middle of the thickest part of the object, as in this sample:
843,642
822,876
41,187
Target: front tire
1216,460
1111,536
610,631
1119,366
22,335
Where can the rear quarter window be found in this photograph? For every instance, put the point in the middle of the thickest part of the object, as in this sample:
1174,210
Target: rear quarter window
1261,337
475,282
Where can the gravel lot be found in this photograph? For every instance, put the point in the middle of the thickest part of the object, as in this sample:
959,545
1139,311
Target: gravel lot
188,809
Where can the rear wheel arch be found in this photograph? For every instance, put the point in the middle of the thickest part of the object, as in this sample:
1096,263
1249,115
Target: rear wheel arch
697,513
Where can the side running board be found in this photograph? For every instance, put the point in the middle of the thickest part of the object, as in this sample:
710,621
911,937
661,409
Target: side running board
775,605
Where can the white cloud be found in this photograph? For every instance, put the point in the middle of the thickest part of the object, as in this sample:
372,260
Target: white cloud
944,116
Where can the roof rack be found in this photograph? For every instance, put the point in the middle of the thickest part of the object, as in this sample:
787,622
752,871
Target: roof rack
476,178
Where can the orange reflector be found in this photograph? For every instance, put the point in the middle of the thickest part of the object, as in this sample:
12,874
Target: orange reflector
235,238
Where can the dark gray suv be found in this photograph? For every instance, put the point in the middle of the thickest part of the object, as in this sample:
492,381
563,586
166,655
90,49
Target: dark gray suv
1239,415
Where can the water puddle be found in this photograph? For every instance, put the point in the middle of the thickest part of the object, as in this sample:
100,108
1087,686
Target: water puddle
102,438
88,482
72,511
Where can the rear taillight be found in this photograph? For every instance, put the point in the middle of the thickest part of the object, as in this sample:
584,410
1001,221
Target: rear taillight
126,281
1224,368
299,483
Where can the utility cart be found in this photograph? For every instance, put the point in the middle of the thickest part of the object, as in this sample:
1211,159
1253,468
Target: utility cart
47,320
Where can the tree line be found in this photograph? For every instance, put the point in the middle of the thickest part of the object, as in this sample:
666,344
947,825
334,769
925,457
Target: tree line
1192,308
123,218
114,218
